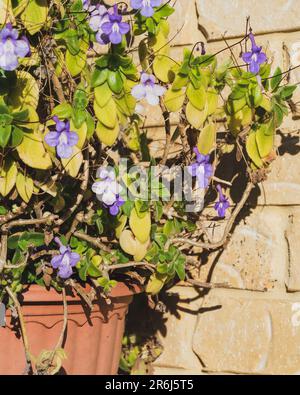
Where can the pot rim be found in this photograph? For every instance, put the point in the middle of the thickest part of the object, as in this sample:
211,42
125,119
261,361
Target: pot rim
37,293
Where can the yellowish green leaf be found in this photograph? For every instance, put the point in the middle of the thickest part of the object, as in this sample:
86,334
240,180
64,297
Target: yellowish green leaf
25,93
162,67
24,185
207,138
8,176
128,242
32,151
194,116
140,227
196,96
102,94
155,283
174,99
107,135
107,114
252,150
73,164
34,15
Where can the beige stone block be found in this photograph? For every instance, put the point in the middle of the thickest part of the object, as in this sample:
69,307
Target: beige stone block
256,256
242,335
217,16
283,184
177,344
184,23
292,237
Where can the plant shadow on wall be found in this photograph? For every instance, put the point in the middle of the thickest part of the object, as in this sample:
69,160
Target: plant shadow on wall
75,229
141,346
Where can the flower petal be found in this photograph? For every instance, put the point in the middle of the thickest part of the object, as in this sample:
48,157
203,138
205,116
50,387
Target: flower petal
108,198
56,261
115,37
74,258
147,11
72,138
254,67
136,4
64,151
52,139
138,92
65,271
151,98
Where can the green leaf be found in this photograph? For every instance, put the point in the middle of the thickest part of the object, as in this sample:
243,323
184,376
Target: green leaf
286,93
99,76
93,271
115,81
276,79
5,133
72,41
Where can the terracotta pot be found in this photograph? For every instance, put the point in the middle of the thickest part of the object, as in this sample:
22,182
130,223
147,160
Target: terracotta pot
92,341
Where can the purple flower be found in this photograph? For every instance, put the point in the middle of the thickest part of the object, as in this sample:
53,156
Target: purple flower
148,89
254,58
115,28
114,208
12,48
201,169
222,204
99,16
145,6
107,190
62,138
65,260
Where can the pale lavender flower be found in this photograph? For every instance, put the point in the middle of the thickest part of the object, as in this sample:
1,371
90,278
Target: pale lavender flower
148,89
145,6
254,58
63,139
12,48
115,28
201,169
98,16
107,190
222,204
86,4
65,260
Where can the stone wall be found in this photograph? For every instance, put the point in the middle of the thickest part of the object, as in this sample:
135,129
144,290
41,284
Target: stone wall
252,325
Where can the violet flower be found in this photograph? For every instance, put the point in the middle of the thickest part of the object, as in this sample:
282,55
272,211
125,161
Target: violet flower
148,89
145,6
99,16
114,208
201,169
254,58
12,48
107,190
222,204
115,28
65,260
63,139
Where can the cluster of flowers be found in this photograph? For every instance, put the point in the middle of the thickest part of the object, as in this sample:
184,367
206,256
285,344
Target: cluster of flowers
108,190
109,28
